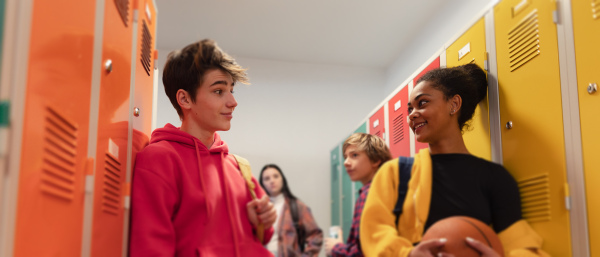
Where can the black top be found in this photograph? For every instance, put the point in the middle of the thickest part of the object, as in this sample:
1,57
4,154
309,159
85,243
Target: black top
466,185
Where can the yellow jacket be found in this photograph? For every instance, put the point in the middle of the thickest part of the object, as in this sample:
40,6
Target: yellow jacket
379,235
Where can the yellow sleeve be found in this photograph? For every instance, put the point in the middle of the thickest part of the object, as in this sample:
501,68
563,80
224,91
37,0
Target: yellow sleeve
378,231
520,240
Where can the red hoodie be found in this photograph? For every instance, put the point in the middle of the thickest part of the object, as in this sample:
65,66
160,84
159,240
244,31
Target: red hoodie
188,200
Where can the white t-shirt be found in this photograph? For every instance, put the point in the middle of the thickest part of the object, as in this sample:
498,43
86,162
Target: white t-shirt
278,202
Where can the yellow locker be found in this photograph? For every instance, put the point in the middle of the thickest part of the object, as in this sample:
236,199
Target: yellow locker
586,32
531,113
470,48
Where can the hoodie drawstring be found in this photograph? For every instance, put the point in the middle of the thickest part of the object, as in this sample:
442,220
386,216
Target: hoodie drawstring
229,204
208,210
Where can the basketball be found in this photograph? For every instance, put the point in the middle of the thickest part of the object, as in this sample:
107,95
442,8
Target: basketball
456,229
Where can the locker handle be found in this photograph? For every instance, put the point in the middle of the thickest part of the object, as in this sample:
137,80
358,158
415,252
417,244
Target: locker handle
592,88
108,66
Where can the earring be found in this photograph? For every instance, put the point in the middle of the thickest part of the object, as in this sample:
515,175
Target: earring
452,112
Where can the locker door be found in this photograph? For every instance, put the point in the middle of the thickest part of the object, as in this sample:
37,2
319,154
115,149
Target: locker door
433,65
586,26
55,129
398,113
362,128
531,111
377,123
143,72
113,126
335,186
470,48
144,67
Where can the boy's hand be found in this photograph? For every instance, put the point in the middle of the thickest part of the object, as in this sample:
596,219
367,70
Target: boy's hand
261,211
330,243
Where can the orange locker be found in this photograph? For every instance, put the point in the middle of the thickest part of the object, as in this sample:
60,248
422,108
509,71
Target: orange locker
143,81
55,129
433,65
113,125
533,141
398,114
145,58
377,123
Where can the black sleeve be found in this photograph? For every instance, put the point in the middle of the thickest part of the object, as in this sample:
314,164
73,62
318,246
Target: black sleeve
504,197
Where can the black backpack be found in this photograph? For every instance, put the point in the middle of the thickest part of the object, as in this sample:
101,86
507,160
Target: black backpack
300,233
405,167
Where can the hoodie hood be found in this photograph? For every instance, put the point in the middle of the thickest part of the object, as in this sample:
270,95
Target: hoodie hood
174,134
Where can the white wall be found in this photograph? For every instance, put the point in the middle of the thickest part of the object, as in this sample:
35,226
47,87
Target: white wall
457,17
292,115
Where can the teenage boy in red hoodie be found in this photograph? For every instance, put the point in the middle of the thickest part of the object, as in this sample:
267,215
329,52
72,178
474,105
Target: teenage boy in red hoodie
188,195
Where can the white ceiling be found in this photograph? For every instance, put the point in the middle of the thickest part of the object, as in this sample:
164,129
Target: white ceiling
339,32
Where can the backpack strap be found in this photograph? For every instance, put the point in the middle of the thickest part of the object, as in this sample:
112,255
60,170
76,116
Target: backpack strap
405,168
296,218
247,174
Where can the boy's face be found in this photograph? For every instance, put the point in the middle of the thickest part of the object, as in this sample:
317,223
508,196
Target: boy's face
273,181
358,165
213,109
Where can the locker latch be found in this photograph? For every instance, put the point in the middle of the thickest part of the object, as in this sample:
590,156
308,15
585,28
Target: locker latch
127,196
567,197
555,15
485,62
89,176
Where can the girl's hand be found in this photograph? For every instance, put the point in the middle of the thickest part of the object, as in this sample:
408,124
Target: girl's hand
485,250
425,248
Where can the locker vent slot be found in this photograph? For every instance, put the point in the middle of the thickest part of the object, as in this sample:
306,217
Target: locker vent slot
398,129
111,195
123,8
535,198
378,133
524,41
595,9
146,48
59,155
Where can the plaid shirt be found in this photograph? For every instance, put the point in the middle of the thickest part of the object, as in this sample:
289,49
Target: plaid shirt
352,246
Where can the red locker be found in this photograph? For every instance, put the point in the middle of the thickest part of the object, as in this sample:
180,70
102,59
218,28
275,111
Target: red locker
398,113
377,123
433,65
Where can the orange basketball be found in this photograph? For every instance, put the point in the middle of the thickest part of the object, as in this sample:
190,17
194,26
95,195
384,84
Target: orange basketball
456,229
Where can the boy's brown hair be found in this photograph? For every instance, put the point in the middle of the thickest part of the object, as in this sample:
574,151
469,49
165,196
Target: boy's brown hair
374,147
185,69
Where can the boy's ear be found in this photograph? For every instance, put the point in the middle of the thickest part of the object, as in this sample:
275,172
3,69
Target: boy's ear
377,163
183,99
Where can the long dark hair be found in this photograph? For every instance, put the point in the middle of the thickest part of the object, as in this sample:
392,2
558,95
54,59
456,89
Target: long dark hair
284,189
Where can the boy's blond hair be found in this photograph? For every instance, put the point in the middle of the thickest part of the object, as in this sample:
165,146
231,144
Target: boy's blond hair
374,147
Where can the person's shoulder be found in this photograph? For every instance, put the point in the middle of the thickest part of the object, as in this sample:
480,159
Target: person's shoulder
157,154
492,166
391,164
158,149
496,171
